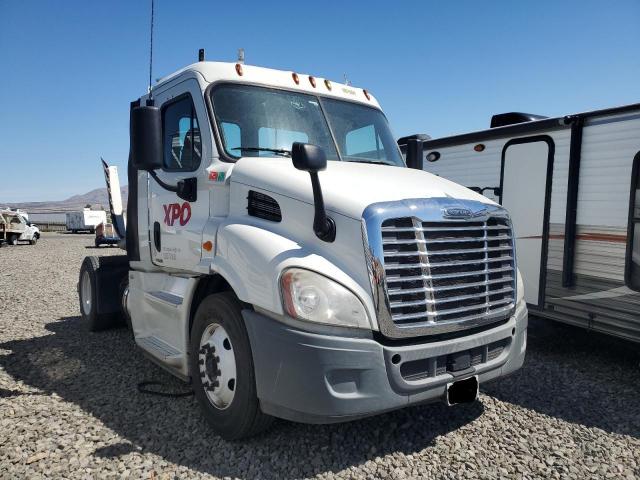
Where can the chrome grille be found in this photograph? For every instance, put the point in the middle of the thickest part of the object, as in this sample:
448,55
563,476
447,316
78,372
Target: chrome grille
448,271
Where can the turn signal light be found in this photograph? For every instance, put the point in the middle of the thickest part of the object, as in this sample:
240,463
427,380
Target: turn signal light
208,246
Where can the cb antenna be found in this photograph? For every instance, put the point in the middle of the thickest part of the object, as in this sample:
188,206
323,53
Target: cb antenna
151,55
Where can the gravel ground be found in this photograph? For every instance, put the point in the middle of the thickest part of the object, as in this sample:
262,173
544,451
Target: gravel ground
69,406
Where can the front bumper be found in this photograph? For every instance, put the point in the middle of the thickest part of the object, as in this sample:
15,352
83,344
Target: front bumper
319,378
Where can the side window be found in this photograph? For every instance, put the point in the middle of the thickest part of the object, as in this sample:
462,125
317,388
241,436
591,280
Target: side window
364,143
633,250
181,136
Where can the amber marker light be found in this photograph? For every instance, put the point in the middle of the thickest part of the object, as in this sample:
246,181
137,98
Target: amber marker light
208,246
327,84
366,94
479,147
239,69
312,81
296,78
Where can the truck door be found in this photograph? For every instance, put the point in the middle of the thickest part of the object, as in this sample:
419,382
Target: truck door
527,165
176,225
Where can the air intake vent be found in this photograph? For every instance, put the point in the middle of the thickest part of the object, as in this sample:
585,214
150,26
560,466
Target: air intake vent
263,206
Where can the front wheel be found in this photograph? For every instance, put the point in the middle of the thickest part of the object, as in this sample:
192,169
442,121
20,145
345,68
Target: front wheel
34,240
222,370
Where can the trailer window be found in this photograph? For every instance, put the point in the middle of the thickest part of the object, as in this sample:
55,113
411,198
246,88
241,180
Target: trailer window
181,136
633,251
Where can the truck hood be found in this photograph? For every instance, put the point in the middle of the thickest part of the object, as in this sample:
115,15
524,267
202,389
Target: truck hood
347,187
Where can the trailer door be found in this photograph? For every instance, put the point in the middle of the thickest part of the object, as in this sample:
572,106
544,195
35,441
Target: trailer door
526,184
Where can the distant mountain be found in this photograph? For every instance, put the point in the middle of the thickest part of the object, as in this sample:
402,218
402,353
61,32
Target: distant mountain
95,198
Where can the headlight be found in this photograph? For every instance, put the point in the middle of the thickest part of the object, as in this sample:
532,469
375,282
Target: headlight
310,296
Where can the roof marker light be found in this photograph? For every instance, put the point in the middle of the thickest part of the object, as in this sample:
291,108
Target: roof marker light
295,77
327,84
312,81
366,94
239,69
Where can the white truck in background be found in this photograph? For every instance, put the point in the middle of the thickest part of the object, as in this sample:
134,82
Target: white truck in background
15,227
85,221
283,259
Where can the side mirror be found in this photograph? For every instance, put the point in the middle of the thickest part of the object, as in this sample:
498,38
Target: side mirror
146,138
308,158
312,159
415,154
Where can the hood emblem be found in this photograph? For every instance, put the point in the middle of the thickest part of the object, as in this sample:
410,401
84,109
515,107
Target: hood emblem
458,212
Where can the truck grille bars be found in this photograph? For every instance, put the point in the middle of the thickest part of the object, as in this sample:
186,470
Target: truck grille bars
433,273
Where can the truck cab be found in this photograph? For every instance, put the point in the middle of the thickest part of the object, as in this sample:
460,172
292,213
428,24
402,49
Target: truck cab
283,259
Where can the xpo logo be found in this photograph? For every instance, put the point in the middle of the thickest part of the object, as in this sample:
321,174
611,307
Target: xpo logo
175,211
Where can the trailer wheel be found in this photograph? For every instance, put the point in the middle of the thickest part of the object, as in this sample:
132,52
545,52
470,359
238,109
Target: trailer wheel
88,297
222,371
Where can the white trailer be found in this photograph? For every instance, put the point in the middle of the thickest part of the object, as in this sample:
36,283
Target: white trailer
571,186
85,221
283,259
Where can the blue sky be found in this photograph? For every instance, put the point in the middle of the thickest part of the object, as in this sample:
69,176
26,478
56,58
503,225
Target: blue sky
68,70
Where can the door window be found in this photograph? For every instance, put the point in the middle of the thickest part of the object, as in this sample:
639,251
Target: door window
181,136
633,252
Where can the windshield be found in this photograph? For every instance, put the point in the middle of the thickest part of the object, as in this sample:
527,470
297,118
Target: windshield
264,122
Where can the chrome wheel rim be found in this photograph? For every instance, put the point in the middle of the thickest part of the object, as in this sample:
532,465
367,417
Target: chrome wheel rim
85,293
217,366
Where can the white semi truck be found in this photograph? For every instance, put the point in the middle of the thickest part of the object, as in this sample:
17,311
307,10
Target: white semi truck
283,259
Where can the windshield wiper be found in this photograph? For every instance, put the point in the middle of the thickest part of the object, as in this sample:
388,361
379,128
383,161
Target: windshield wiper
277,151
375,162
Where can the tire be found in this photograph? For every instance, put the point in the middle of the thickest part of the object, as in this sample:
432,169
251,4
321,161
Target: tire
34,240
97,244
241,416
88,298
13,240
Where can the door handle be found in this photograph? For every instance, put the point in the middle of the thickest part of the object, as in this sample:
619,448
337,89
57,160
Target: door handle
156,235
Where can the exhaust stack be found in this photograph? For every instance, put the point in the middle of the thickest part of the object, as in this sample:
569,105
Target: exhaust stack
115,199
